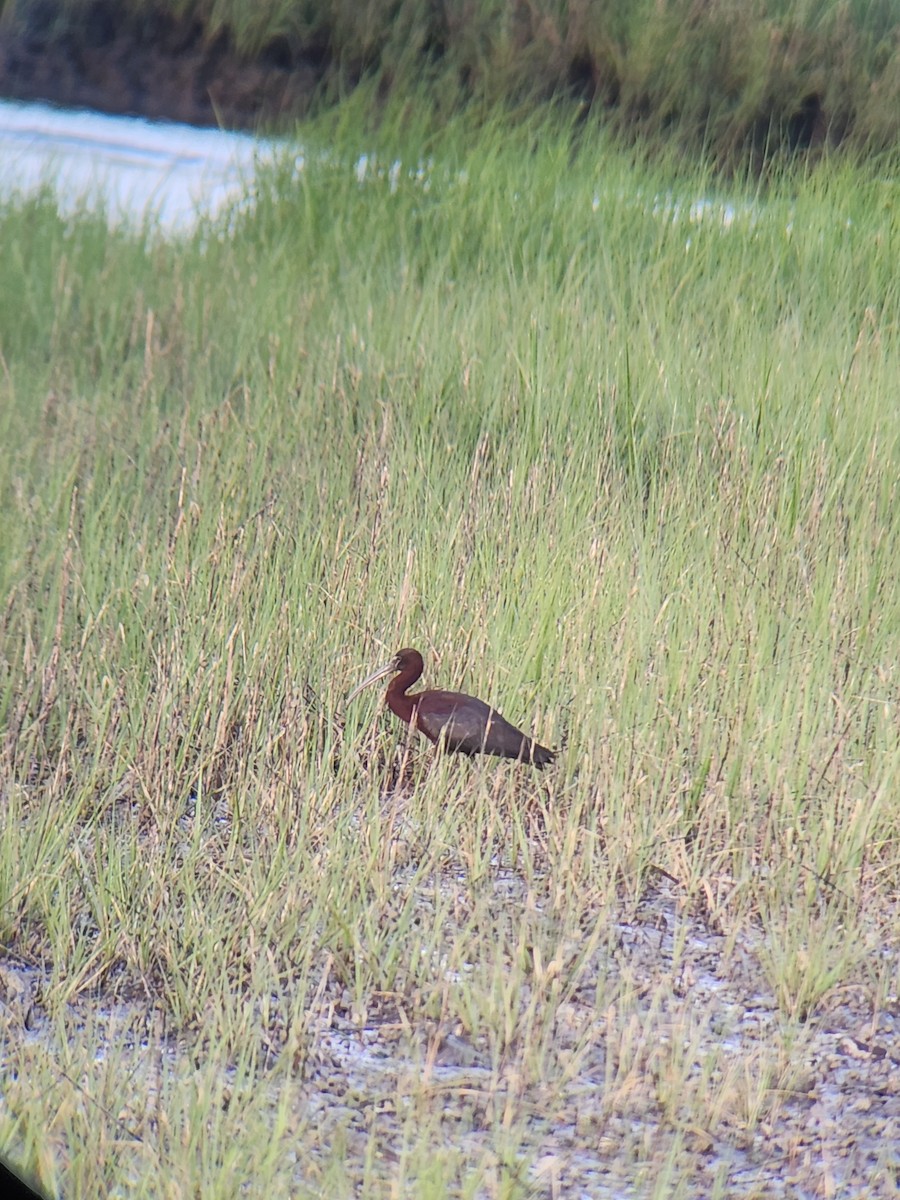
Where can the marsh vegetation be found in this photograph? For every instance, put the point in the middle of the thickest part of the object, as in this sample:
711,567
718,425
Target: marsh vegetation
602,442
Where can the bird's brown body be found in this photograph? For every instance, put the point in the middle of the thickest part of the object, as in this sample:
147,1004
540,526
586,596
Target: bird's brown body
460,723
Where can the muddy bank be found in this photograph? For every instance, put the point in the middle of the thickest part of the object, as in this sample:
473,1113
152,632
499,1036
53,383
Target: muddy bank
157,68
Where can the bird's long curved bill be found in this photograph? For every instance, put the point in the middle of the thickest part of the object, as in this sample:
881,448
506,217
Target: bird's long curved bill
387,669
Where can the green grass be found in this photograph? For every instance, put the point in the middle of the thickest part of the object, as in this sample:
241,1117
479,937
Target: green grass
624,468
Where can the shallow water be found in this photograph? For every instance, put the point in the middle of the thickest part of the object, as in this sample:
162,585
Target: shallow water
137,169
174,174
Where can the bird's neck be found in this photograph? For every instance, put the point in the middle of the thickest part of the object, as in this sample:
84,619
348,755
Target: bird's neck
401,705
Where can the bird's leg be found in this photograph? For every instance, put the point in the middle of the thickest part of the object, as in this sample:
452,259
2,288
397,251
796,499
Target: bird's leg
407,746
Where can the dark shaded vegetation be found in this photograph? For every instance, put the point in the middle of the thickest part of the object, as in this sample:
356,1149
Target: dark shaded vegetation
738,80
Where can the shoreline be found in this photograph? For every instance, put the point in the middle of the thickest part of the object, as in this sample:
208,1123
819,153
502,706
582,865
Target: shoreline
733,94
164,71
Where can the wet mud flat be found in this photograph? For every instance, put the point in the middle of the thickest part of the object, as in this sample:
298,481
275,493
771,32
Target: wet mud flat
607,1111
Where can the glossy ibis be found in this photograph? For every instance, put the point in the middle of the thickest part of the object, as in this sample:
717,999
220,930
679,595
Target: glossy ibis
459,722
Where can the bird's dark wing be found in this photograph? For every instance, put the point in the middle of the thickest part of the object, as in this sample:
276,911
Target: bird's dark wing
470,726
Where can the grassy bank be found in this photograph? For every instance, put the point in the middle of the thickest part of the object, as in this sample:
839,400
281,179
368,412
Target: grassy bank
623,463
737,82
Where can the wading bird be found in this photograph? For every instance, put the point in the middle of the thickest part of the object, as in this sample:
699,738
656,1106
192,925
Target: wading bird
457,721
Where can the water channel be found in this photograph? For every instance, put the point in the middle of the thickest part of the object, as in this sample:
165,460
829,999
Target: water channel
136,169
